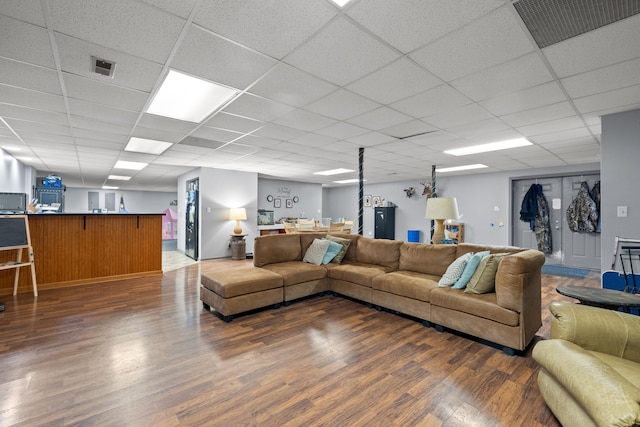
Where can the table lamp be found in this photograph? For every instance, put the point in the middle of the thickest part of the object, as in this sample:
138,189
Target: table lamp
239,214
439,209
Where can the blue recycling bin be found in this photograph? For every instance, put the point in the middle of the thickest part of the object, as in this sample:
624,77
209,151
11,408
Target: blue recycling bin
413,236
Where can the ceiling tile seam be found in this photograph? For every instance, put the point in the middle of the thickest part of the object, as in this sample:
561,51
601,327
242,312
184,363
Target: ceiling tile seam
56,58
548,66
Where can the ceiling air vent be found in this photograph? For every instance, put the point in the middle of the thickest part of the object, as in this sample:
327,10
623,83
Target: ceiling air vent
103,67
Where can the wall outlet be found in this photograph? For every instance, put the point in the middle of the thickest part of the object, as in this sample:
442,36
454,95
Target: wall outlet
622,211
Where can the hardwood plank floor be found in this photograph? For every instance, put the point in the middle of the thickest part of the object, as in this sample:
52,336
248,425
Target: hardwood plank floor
144,352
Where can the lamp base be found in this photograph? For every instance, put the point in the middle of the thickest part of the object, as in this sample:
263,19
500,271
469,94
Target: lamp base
238,228
438,234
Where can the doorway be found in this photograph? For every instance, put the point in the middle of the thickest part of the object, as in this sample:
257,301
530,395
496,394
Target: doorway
191,221
569,249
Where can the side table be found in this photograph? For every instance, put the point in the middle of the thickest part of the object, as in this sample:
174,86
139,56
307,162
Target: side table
603,298
238,246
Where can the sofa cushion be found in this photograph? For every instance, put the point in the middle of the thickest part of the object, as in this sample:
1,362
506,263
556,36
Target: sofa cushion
379,252
483,305
344,243
428,259
315,253
484,278
240,281
294,272
408,284
358,273
455,270
332,251
469,269
276,248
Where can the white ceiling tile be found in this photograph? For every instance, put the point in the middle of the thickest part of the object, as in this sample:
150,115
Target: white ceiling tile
229,64
542,138
541,114
490,130
342,130
25,42
416,22
24,10
215,134
341,53
408,129
31,99
93,134
304,120
258,108
314,140
512,76
495,38
166,124
263,26
537,96
607,78
130,72
341,105
394,82
371,138
563,124
438,99
157,134
611,99
380,118
27,76
275,131
78,122
102,93
181,8
291,86
131,27
30,128
258,141
598,48
29,114
101,112
233,123
459,116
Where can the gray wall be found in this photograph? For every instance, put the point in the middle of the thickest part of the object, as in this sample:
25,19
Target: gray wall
220,190
76,200
310,203
483,200
620,174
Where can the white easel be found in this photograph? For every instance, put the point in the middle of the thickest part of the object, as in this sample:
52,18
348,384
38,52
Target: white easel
15,236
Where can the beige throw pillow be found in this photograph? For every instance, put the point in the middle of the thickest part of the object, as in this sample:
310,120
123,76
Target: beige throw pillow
345,246
483,280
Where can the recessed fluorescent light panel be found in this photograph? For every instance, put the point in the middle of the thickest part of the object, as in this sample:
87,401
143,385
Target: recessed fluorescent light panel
462,168
348,181
341,2
494,146
149,146
334,171
119,177
188,98
108,187
122,164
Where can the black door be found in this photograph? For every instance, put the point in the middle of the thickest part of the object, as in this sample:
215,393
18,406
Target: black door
191,235
385,223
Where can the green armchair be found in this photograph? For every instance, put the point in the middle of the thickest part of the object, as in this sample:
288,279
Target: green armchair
590,368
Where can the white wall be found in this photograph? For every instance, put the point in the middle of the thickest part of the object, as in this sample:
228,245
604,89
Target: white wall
220,190
15,177
620,175
310,203
76,200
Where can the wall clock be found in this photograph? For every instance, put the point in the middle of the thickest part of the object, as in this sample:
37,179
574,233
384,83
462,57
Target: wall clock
295,199
269,198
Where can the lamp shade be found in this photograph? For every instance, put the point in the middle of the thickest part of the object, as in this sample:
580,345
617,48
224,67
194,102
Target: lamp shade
238,214
442,208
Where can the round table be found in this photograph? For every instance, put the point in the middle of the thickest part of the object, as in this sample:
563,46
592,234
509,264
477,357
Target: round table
598,297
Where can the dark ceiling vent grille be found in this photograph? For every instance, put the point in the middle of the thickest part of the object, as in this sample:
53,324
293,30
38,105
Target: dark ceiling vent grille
552,21
103,67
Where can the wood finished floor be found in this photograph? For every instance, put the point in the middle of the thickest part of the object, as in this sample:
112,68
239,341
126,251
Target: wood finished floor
143,352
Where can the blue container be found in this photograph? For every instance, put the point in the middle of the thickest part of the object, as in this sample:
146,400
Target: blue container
413,236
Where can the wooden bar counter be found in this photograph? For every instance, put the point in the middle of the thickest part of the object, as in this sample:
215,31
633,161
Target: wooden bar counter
76,249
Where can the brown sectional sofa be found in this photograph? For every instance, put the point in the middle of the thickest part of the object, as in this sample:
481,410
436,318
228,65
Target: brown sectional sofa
403,277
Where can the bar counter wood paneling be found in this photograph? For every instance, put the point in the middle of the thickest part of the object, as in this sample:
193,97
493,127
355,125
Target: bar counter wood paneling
76,249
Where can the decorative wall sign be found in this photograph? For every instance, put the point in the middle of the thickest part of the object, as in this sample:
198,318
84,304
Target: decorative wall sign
367,201
289,203
277,203
377,201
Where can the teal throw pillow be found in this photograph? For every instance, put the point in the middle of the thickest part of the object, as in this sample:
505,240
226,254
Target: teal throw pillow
333,250
469,269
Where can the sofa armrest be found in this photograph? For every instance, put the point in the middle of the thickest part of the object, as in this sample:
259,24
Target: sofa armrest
603,393
518,281
597,329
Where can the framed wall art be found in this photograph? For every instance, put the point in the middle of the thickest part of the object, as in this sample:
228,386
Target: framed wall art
277,203
367,201
377,201
289,203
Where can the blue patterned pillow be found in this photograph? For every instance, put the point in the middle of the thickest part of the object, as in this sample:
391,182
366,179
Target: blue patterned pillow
316,251
333,250
454,271
469,269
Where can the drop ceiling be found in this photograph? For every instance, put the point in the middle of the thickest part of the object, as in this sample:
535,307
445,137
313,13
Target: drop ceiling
405,79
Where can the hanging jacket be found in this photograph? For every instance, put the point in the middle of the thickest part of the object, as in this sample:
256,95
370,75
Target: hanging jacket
582,214
529,208
543,225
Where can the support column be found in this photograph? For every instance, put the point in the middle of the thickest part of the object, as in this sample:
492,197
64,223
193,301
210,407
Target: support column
360,189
